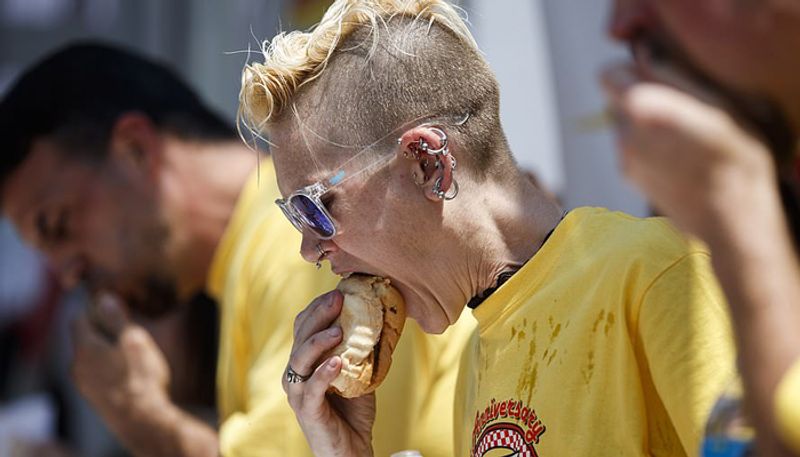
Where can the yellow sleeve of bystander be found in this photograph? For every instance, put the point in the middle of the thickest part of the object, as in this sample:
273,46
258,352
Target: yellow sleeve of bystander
787,407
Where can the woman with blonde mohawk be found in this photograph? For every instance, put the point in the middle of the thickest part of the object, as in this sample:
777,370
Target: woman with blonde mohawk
599,333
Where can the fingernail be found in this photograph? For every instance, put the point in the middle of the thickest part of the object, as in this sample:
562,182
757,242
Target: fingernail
331,298
334,332
333,362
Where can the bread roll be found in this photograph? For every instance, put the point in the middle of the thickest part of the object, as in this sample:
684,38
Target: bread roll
372,320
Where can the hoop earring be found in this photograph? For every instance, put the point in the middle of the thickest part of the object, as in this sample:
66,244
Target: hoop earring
442,195
443,150
455,189
422,147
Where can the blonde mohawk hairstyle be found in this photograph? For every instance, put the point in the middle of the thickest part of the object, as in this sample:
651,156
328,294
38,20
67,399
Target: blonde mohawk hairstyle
296,58
367,69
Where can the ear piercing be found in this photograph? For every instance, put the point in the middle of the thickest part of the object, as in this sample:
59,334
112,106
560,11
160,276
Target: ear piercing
442,195
422,147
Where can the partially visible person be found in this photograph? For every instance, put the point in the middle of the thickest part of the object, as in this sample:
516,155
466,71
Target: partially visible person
598,333
131,185
708,124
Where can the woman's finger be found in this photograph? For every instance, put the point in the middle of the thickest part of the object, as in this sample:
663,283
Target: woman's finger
305,398
304,359
317,386
317,316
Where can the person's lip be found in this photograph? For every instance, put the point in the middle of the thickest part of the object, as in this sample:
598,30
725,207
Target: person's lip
344,272
340,267
347,272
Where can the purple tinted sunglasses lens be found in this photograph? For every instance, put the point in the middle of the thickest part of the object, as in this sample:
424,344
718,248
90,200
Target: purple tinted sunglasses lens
313,215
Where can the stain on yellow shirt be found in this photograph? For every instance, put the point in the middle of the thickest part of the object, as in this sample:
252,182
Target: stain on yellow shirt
612,340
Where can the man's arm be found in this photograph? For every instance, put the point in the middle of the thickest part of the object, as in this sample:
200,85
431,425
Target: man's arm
163,430
124,375
757,266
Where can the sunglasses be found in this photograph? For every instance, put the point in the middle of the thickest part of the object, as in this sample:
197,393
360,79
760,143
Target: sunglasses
305,209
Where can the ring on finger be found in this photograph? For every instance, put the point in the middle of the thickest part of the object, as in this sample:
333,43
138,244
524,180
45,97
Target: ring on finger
293,377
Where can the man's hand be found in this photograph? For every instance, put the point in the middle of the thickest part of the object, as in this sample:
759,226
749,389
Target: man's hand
117,366
333,426
691,158
121,371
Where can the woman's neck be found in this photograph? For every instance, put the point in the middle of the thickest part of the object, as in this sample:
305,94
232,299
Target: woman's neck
498,230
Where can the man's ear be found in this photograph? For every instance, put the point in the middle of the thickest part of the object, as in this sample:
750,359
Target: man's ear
135,143
430,164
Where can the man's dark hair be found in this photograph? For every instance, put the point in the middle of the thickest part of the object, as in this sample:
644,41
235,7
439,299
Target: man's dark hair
76,95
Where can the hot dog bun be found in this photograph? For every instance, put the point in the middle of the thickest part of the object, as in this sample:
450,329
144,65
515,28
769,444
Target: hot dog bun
372,319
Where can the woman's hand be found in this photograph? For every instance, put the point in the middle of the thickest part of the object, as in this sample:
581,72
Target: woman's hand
333,426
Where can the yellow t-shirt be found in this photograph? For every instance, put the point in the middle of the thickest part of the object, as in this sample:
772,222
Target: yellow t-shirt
612,340
262,283
787,406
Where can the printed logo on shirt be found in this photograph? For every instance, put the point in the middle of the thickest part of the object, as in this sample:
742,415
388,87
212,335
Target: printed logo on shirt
507,428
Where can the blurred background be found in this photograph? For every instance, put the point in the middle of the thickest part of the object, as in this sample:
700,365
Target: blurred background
546,53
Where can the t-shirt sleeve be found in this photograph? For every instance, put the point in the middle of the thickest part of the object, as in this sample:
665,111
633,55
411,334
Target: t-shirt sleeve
684,331
787,407
268,426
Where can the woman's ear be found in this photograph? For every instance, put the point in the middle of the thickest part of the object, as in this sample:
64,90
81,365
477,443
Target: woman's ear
429,160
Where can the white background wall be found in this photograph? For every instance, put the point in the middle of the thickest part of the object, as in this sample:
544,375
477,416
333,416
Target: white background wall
516,46
547,55
579,50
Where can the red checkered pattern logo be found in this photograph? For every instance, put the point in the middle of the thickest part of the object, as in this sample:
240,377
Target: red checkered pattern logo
504,436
